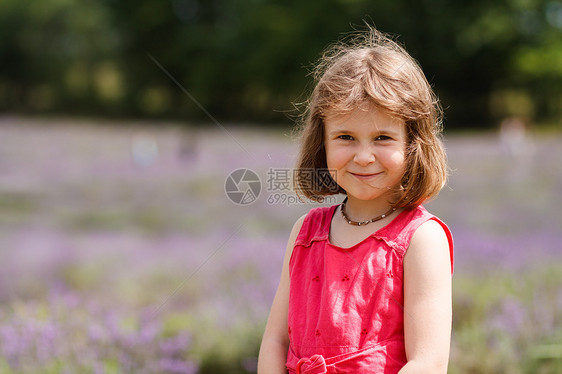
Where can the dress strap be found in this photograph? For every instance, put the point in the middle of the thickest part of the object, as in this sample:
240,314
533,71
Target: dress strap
316,225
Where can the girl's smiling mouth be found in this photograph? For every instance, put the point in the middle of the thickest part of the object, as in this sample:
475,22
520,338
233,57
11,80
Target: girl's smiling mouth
364,176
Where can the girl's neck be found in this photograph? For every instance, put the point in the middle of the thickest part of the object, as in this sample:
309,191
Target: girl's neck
362,210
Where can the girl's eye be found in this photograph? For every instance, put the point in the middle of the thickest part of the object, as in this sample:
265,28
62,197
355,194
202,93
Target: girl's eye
379,138
383,137
345,137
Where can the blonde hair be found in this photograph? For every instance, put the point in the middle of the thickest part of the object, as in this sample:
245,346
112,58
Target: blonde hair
372,68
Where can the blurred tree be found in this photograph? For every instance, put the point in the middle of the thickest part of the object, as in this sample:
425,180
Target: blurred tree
249,59
57,55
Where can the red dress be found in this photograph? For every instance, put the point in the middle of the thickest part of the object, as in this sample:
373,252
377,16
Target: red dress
346,304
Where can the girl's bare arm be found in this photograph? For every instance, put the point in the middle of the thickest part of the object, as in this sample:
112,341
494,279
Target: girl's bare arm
427,301
275,342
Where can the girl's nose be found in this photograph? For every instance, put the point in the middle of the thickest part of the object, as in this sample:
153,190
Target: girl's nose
364,156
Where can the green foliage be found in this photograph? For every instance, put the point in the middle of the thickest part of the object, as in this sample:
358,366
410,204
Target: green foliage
248,59
509,316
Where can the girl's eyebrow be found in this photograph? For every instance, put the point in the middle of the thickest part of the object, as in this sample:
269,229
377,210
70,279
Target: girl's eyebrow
383,129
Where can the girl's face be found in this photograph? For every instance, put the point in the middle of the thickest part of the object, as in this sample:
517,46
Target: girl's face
365,152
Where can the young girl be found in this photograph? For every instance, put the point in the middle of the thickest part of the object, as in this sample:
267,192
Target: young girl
366,284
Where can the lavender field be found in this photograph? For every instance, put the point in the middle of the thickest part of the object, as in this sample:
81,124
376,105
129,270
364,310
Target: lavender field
120,251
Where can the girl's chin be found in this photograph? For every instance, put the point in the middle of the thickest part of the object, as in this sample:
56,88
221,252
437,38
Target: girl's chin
370,193
365,196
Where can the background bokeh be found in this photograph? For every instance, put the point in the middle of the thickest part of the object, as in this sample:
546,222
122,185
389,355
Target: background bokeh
120,122
249,59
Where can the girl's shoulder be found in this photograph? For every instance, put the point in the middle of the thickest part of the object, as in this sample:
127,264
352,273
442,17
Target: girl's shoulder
315,225
408,221
400,231
428,231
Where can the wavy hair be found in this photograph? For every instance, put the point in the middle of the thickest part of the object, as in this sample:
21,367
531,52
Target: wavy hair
372,68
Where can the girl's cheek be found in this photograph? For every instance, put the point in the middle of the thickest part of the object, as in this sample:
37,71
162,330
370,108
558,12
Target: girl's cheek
398,157
343,151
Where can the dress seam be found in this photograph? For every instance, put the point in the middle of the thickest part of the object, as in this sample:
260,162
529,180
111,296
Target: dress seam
382,342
